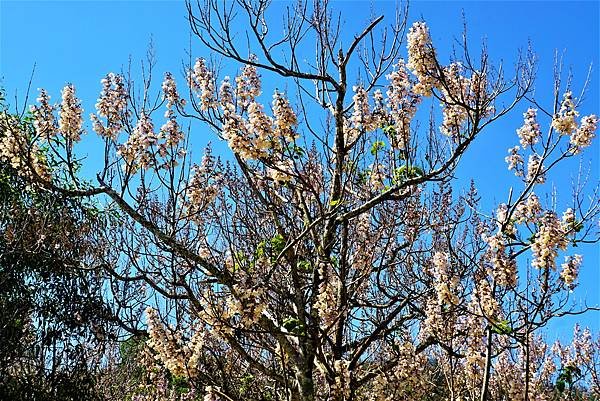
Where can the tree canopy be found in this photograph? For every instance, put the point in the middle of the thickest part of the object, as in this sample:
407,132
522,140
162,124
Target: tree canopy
329,253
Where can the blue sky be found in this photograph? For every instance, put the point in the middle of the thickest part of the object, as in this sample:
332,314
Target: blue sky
81,41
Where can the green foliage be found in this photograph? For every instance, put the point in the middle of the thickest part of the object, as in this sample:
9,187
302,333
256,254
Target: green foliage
376,147
180,384
502,327
246,383
304,265
294,326
567,376
389,130
277,243
405,172
130,348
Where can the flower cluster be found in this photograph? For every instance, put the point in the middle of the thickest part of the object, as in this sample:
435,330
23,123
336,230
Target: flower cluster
285,118
535,169
170,94
407,380
564,122
488,304
70,114
281,170
43,116
402,103
421,58
528,210
454,92
529,134
235,132
202,81
226,94
446,283
211,393
570,269
580,352
248,85
136,151
260,130
504,268
327,299
583,136
202,188
26,158
258,137
362,119
247,303
341,387
377,177
171,134
111,105
180,357
473,325
515,161
549,238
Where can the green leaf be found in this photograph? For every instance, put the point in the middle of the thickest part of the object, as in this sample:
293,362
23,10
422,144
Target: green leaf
277,243
293,325
376,147
261,249
560,385
304,265
405,172
502,327
389,130
335,202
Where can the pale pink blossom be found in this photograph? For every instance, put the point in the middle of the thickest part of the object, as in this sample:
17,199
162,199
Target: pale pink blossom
582,137
564,122
529,134
421,58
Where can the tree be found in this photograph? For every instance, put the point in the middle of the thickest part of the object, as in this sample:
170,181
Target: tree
328,257
54,323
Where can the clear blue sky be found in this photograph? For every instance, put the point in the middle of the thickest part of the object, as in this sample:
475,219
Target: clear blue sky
80,41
